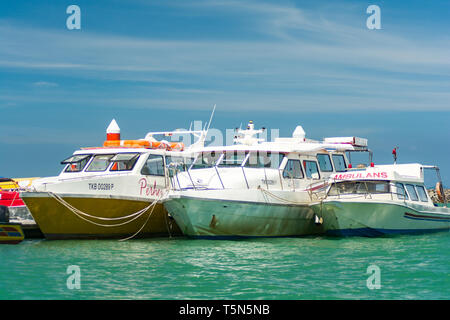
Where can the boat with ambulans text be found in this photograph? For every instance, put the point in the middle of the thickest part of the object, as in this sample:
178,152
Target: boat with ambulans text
382,200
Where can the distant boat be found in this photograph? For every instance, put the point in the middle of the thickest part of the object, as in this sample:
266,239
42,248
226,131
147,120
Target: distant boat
10,233
380,200
18,211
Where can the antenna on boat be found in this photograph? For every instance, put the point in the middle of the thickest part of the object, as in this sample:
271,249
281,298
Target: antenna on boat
202,136
210,118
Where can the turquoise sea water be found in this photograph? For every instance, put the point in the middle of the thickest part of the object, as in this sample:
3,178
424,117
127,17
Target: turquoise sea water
411,267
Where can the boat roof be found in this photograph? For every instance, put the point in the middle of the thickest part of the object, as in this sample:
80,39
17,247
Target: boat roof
279,147
411,172
245,140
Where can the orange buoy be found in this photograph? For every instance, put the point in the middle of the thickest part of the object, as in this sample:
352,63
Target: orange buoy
177,146
160,144
136,143
127,143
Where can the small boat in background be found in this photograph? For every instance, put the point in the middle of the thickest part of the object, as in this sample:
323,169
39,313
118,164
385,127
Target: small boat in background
380,200
18,211
10,233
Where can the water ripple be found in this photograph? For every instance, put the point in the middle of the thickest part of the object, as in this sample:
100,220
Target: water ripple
412,267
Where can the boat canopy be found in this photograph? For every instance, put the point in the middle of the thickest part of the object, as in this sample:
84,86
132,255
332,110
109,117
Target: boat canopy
397,172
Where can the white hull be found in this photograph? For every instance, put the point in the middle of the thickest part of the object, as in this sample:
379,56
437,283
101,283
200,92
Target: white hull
372,218
240,213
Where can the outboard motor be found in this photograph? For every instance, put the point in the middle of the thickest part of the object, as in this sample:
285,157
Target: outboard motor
4,214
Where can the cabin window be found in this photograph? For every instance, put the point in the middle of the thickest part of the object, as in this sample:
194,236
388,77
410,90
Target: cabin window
99,163
263,159
339,162
359,187
233,159
311,169
123,161
206,160
422,193
401,193
412,192
324,162
154,166
178,164
76,163
293,170
181,163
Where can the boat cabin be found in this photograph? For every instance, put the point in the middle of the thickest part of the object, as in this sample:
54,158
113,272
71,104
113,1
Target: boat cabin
130,168
284,164
398,182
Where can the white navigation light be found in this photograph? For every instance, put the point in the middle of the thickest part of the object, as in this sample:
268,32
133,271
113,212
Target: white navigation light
113,131
299,133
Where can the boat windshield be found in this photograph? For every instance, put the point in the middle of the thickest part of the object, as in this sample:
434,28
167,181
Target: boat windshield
263,159
233,159
205,160
124,161
179,163
339,162
359,187
99,163
76,163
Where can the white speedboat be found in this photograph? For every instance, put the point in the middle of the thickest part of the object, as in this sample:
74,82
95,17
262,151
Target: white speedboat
113,191
256,188
379,200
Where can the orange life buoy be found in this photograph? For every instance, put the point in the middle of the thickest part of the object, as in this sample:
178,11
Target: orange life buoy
136,143
159,145
127,143
111,143
440,192
177,146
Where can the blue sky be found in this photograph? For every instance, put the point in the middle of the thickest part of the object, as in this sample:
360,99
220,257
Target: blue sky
158,65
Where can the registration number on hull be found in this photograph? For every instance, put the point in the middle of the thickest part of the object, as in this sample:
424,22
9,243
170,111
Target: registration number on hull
101,186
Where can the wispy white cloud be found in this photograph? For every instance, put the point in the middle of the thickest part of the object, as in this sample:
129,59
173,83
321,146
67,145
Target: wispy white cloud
308,60
45,84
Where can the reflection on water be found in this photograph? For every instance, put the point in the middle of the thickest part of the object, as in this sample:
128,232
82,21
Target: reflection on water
277,268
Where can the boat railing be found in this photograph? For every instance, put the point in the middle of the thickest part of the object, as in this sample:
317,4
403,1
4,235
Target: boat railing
269,183
316,190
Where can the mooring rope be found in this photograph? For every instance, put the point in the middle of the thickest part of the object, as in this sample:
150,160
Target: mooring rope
80,214
142,227
133,216
75,210
148,218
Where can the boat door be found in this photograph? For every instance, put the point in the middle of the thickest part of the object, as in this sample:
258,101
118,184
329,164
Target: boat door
153,176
